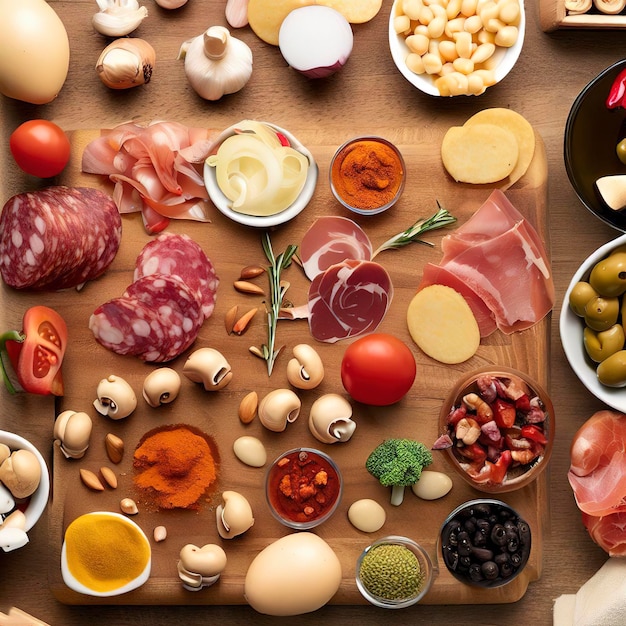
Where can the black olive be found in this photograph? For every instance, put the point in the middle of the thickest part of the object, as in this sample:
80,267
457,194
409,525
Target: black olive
501,558
483,525
480,539
482,554
516,559
475,572
465,546
512,541
506,569
464,563
490,570
482,510
451,558
524,533
470,525
498,535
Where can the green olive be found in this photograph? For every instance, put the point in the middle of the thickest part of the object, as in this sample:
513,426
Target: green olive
612,371
621,151
602,345
580,294
608,277
601,313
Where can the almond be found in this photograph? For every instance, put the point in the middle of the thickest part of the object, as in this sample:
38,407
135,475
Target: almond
91,480
248,407
230,318
245,286
251,271
242,323
114,447
109,477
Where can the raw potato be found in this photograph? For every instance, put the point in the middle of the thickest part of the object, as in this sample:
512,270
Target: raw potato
355,11
521,129
479,153
442,324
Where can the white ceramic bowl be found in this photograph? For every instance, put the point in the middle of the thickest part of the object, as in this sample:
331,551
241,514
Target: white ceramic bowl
506,58
223,203
571,330
39,500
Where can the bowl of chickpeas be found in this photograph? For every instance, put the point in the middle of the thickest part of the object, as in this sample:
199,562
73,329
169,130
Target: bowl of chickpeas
591,324
457,48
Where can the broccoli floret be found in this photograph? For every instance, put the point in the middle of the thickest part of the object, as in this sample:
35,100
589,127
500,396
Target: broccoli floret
398,463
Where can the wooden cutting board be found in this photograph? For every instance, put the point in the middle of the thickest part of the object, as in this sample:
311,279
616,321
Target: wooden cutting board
231,247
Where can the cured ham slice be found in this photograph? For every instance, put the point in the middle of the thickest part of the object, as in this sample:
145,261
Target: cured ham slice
498,257
597,472
155,170
608,531
331,240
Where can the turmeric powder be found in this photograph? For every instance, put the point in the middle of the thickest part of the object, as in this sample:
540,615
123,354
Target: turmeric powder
105,552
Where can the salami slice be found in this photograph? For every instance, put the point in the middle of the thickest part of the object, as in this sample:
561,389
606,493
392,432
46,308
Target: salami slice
156,319
180,256
331,240
58,237
349,299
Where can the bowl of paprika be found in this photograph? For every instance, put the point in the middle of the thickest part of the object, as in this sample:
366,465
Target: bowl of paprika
367,175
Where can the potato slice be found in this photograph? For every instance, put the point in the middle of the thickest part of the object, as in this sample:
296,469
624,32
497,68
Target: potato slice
355,11
519,126
479,153
442,324
266,16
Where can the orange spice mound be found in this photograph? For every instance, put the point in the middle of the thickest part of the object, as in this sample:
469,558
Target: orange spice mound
175,466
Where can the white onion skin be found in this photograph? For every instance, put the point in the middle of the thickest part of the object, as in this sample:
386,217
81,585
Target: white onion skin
315,40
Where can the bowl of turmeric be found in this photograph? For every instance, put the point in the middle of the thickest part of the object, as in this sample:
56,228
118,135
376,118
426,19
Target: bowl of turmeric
367,175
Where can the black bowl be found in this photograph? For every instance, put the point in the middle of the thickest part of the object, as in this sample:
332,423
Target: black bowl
592,132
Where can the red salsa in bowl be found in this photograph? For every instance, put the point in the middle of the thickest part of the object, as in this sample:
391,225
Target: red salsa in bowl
303,488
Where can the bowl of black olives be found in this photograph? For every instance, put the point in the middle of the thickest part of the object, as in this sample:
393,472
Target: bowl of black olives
591,323
485,543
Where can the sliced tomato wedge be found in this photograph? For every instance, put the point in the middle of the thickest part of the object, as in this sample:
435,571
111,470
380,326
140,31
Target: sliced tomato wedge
36,354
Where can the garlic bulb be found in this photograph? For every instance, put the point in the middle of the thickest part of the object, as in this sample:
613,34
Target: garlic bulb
117,18
216,64
126,63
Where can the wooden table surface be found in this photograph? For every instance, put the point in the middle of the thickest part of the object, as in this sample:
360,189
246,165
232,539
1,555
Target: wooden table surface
371,94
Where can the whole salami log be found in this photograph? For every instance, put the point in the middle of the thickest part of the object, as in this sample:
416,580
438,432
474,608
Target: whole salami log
58,237
157,318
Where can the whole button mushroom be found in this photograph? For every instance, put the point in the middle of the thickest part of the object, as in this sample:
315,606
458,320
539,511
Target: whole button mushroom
116,398
234,516
305,370
279,408
330,419
72,431
209,367
161,386
21,473
200,567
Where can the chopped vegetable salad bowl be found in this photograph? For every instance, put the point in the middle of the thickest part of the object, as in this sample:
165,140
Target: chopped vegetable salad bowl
259,174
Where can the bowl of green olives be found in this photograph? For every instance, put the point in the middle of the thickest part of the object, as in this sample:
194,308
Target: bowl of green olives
591,323
594,144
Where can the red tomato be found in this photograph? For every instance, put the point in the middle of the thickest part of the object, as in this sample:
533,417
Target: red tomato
40,148
37,356
378,369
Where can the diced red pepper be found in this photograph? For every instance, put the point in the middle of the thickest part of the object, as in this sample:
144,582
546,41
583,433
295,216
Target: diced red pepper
503,413
523,403
499,469
474,452
534,433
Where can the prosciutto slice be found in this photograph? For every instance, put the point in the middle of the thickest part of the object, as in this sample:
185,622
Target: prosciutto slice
497,257
597,471
608,531
331,240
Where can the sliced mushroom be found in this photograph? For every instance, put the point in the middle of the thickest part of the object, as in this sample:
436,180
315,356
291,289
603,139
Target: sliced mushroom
305,370
116,398
234,516
330,419
279,408
72,432
209,367
161,386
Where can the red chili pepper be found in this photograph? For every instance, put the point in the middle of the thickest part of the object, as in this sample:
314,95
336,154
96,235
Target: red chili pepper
499,468
617,93
36,354
534,433
283,140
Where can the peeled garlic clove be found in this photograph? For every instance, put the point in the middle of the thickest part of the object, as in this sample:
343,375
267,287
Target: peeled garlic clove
72,431
305,370
21,473
117,18
12,538
237,13
7,503
250,450
209,367
126,63
233,517
116,398
161,386
330,419
279,408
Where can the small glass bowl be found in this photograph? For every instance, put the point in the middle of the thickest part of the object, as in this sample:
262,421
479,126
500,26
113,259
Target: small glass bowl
427,569
301,520
351,201
520,475
482,509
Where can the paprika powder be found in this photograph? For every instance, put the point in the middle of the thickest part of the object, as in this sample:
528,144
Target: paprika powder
175,465
367,174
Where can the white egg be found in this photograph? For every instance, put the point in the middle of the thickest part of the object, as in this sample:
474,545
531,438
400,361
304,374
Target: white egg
295,574
34,51
432,485
367,515
250,450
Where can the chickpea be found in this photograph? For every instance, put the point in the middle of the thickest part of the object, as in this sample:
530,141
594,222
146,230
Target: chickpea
608,277
612,371
600,346
506,37
581,293
601,313
418,44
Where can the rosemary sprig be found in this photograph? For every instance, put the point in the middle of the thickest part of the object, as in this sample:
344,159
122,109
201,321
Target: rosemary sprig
412,234
277,293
